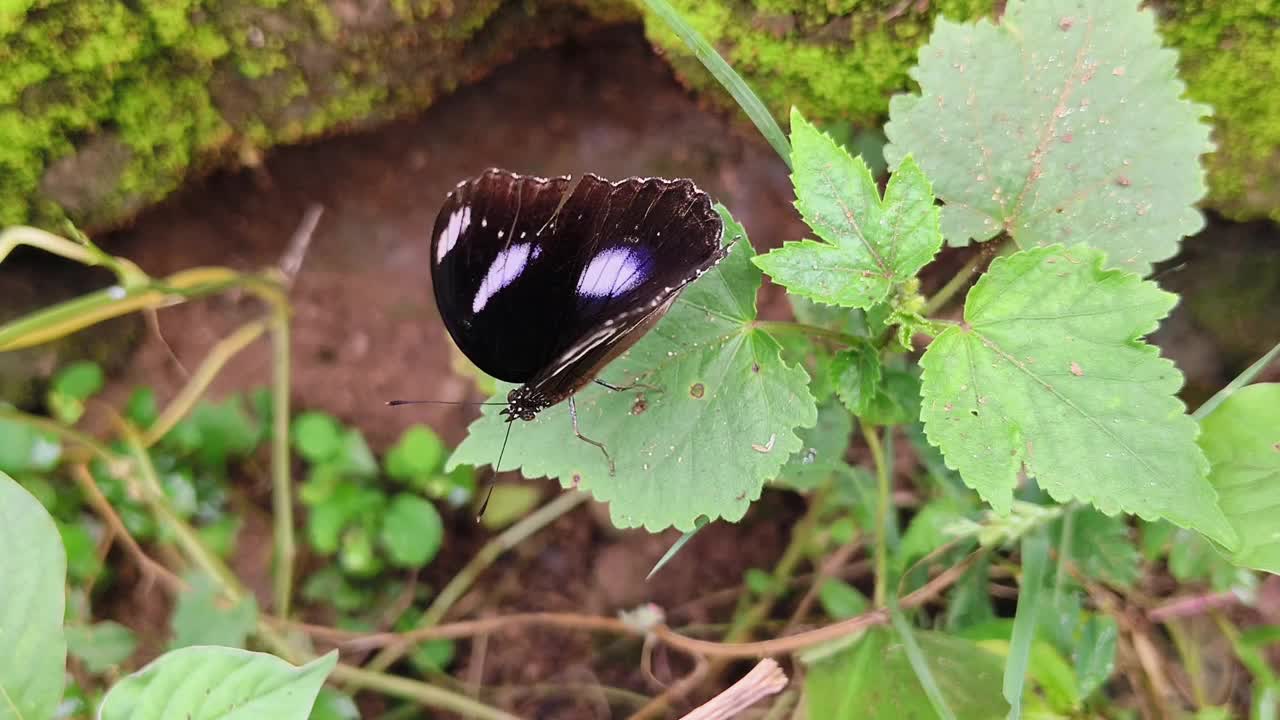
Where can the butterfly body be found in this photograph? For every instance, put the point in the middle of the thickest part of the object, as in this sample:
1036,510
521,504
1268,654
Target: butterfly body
543,282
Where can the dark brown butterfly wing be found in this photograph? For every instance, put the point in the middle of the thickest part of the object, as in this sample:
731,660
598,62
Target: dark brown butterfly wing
543,289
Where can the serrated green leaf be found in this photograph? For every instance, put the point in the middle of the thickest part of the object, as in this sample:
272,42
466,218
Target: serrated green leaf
1241,438
412,531
202,618
872,244
317,436
1049,373
34,570
100,646
873,679
724,421
217,683
821,451
1062,124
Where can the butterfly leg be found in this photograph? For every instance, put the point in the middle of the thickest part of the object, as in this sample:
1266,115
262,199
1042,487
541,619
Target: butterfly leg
573,415
624,388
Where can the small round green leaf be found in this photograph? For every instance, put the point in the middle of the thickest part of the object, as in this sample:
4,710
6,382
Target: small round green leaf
418,454
412,531
316,436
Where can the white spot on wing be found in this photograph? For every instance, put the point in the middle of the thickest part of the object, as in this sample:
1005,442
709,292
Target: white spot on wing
611,273
458,222
506,267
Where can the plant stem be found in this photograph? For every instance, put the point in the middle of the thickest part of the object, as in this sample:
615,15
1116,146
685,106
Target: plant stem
1240,381
418,692
795,328
217,358
737,87
883,498
1064,554
462,582
281,482
961,279
83,253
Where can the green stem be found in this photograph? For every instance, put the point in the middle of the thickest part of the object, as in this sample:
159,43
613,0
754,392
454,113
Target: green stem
1240,381
745,622
217,358
961,279
84,253
778,327
1064,554
462,582
883,498
281,482
737,87
420,693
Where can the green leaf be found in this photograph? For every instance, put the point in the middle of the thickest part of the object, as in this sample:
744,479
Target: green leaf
334,705
317,436
100,646
412,531
1049,373
432,656
897,401
354,456
872,244
1102,547
25,449
724,421
821,450
346,503
416,455
1059,125
873,679
856,372
71,386
509,503
1095,656
928,531
141,408
1035,561
81,549
841,600
202,617
1241,438
217,683
357,556
34,571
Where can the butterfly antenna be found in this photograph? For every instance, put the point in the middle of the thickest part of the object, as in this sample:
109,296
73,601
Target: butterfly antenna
493,476
394,403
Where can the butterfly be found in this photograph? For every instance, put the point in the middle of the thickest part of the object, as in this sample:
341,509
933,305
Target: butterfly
543,282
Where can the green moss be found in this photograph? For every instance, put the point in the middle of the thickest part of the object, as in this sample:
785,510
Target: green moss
837,60
1230,60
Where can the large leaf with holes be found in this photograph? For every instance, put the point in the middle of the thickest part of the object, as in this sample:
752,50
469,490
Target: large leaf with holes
1064,123
1049,373
1241,438
722,420
870,244
33,569
204,682
873,680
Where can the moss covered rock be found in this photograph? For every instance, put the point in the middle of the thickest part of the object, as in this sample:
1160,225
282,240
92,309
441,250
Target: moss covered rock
107,106
841,60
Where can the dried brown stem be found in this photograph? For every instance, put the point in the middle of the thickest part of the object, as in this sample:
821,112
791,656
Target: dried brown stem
765,679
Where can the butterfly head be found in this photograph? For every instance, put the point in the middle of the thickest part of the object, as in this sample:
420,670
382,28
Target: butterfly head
523,403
